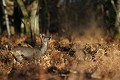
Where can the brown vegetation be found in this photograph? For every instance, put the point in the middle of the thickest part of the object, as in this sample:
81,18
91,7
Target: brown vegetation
81,58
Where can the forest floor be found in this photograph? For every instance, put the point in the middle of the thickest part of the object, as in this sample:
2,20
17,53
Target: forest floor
92,57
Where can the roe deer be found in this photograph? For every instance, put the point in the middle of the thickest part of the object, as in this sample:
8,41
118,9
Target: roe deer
21,53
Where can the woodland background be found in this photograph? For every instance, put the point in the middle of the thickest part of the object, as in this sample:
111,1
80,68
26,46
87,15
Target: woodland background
85,42
58,16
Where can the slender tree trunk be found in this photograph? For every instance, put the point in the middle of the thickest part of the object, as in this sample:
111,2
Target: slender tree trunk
118,17
6,18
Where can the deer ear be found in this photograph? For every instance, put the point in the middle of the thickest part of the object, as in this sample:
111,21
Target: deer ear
43,35
49,38
40,35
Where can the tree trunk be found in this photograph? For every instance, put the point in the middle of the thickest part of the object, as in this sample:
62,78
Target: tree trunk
6,18
34,18
26,19
118,18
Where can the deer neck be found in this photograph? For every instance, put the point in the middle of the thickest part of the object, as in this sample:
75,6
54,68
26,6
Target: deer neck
44,48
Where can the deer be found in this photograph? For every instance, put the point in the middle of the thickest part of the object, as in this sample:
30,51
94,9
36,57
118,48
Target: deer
26,53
